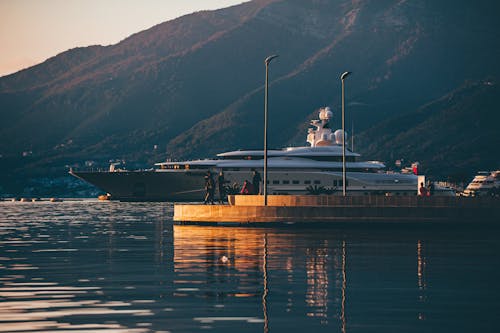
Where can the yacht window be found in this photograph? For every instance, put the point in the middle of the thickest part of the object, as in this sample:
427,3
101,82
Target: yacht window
295,182
335,183
286,182
276,181
317,182
307,182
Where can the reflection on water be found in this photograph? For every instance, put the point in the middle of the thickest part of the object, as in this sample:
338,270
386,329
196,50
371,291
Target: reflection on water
57,267
266,290
344,286
91,266
421,275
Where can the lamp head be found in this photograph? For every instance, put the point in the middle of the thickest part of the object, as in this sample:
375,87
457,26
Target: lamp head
344,75
268,59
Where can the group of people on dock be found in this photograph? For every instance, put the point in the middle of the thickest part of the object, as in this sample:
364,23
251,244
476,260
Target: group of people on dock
210,184
210,187
252,187
426,191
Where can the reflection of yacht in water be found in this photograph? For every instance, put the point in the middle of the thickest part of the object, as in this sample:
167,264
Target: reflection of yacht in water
484,183
303,278
293,170
239,263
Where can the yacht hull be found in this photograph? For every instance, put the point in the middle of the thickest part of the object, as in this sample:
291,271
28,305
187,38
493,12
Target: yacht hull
147,185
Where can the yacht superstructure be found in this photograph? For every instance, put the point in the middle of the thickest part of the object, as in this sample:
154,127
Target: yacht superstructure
294,170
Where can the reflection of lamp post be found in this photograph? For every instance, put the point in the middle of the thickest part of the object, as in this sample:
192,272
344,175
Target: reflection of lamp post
344,287
266,290
267,61
344,185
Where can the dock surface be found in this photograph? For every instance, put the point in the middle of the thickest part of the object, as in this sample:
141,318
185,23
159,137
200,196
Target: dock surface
244,209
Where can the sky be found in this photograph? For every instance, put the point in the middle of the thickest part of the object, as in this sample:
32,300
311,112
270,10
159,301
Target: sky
32,31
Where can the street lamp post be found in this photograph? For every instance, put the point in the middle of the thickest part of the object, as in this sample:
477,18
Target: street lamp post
344,185
267,61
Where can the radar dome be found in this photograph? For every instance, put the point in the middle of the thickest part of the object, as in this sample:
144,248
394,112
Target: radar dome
325,114
338,136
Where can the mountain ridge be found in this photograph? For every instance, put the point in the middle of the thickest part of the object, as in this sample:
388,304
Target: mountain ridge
420,134
193,86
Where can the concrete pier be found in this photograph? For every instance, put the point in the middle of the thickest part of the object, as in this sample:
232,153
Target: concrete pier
244,209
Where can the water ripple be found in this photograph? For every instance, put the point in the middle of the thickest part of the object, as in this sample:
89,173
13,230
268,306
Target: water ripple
90,266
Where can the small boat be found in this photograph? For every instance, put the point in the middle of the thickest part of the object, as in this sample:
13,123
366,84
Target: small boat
104,197
484,183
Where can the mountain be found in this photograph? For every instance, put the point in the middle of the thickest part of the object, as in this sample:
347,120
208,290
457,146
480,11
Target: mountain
193,86
446,136
403,55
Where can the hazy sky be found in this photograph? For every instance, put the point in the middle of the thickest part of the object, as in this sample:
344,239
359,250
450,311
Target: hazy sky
34,30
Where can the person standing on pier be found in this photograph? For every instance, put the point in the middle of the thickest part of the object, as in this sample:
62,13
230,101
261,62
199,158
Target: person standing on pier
422,191
256,182
220,185
247,188
209,188
430,189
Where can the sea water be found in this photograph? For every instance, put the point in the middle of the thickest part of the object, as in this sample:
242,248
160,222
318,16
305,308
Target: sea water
90,266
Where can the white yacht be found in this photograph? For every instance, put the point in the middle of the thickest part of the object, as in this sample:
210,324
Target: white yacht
314,169
483,183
